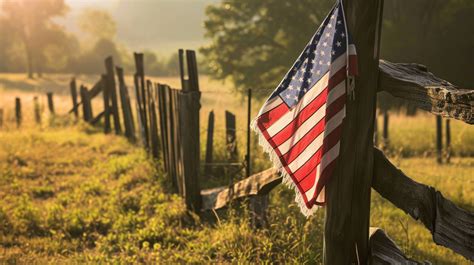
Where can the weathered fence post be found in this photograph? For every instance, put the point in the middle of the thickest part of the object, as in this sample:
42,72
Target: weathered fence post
50,102
189,117
18,115
376,129
126,106
448,141
106,100
37,110
1,117
154,141
209,144
439,139
110,86
86,104
163,125
141,96
385,129
73,88
346,234
230,139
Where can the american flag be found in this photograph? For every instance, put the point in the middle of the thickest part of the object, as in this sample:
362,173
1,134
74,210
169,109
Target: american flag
300,124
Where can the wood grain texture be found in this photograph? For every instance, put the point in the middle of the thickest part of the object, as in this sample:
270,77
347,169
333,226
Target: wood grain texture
348,191
451,226
258,184
383,250
415,84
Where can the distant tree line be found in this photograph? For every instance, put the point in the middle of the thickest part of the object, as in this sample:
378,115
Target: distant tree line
253,43
33,42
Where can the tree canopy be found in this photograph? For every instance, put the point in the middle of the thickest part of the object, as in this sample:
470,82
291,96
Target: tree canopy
254,43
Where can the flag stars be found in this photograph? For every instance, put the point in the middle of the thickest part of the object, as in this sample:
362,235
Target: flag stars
338,44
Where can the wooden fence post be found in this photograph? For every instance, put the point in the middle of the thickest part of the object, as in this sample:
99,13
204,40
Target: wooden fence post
189,117
439,139
209,144
86,104
140,86
231,139
346,234
385,130
163,125
18,115
73,88
448,141
106,100
126,106
1,117
376,129
110,86
155,144
50,102
37,110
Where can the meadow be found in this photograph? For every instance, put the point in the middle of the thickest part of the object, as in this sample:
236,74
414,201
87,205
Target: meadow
70,194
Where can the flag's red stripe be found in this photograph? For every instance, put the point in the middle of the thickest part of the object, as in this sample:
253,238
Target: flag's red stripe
328,142
323,178
309,110
299,147
269,117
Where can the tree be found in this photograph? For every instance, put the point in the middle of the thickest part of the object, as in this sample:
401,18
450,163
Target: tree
31,23
99,24
255,42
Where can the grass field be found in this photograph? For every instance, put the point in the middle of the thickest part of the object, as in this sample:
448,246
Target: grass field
69,194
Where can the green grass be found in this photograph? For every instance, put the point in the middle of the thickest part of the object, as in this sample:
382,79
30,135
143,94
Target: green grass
74,195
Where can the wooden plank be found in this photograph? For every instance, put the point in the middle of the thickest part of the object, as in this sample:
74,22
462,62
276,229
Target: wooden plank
97,118
106,99
171,139
413,82
383,250
257,184
50,102
451,226
73,88
386,140
155,141
111,87
209,144
163,125
140,83
177,140
231,139
96,89
348,191
18,115
126,106
37,110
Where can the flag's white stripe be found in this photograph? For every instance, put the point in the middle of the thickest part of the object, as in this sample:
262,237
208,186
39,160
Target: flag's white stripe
314,146
338,64
338,91
352,49
328,157
270,104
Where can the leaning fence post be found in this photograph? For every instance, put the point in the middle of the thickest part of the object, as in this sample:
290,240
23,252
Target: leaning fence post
37,110
110,86
189,117
73,87
86,104
126,106
209,144
50,102
155,145
140,86
18,112
439,139
385,130
106,99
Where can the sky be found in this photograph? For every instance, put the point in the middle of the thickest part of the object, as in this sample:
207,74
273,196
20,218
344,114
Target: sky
162,26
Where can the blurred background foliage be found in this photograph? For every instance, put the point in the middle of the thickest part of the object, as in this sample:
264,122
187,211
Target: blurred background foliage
253,43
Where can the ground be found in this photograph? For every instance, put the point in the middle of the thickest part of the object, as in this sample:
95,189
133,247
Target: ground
70,194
